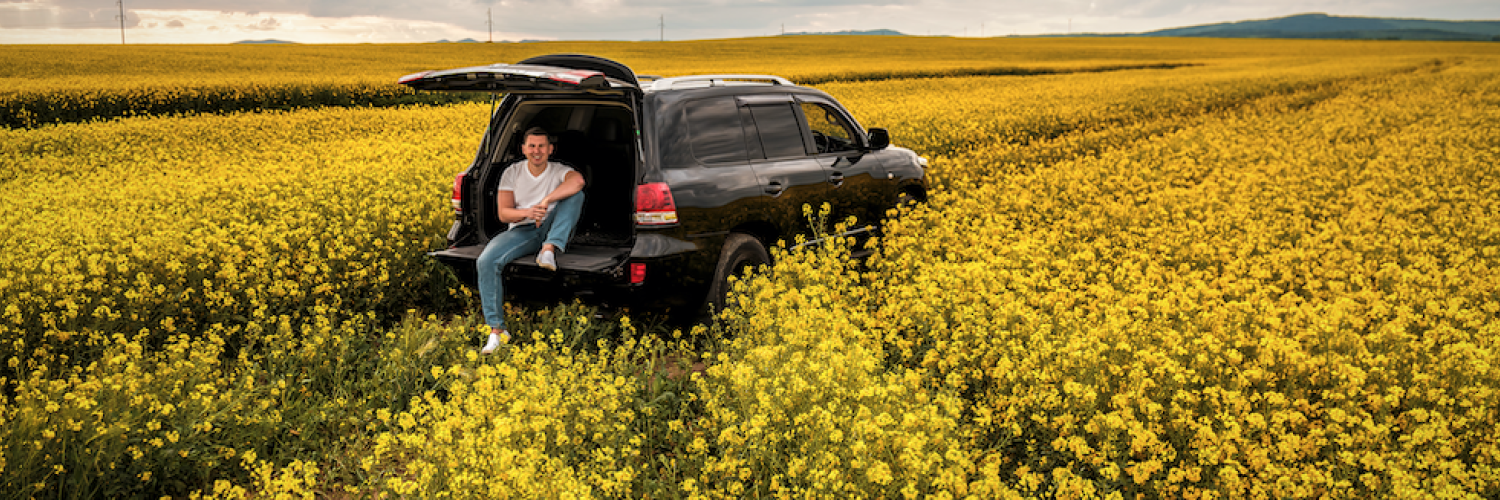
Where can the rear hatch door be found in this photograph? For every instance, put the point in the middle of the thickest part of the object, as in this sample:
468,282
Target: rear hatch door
520,79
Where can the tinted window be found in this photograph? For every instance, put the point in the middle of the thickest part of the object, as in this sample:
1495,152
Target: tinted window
714,128
749,123
831,133
780,134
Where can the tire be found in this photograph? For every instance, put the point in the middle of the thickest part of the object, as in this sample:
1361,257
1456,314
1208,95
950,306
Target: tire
906,199
741,253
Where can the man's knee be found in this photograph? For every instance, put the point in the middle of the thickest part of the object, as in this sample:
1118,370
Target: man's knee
499,253
572,204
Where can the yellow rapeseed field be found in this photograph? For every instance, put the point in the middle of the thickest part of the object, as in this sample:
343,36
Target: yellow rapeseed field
1296,297
1269,274
42,84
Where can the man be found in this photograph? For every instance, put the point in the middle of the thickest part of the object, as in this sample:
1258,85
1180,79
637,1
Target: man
541,200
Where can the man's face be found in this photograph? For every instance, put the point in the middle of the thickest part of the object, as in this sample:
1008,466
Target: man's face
537,149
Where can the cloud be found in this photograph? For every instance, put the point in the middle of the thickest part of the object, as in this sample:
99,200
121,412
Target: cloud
267,24
543,19
41,15
332,21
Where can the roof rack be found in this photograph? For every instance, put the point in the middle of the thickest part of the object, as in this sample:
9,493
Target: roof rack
718,81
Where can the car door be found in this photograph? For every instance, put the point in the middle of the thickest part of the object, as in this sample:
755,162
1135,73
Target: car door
778,154
855,177
707,163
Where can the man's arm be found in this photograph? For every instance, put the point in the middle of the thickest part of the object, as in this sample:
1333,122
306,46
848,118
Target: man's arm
571,185
506,202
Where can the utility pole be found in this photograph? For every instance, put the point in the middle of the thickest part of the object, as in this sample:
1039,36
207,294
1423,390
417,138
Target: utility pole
121,17
663,25
489,19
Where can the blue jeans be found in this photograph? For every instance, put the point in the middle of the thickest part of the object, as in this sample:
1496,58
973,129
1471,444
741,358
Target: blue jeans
517,241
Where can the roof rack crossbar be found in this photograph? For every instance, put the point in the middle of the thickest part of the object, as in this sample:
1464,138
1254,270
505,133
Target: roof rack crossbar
718,80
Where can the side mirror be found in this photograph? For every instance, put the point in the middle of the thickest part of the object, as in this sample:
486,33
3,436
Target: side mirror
879,138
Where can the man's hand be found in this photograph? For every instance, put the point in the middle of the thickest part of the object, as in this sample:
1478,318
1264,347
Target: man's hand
539,212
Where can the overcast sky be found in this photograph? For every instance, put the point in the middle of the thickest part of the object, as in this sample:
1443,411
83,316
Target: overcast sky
405,21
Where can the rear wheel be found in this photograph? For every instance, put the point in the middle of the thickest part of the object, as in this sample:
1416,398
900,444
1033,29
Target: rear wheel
741,254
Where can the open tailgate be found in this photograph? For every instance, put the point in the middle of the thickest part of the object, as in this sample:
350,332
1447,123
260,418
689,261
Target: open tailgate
517,78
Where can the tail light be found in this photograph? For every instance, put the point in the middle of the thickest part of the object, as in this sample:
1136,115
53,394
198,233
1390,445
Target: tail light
577,77
458,193
413,77
637,273
654,205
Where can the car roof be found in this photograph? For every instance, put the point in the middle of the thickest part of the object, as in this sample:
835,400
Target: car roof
709,81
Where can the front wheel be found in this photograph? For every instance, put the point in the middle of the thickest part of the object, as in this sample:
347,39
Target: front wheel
742,253
905,200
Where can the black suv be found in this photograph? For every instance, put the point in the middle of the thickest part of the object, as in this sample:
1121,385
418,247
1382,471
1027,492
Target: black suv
688,179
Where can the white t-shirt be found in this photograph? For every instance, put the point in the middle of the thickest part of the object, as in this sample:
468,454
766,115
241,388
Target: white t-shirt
530,190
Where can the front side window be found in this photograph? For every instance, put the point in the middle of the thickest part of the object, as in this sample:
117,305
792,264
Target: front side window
831,133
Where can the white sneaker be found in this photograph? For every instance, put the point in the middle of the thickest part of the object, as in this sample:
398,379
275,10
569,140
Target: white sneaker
547,260
495,340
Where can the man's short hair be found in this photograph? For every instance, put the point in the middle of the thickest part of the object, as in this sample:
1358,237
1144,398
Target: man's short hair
539,131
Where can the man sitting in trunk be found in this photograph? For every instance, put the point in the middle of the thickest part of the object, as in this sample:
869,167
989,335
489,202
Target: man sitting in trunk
541,200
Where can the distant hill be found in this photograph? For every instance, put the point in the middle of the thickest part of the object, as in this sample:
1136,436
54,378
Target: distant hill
261,42
471,40
848,32
1326,26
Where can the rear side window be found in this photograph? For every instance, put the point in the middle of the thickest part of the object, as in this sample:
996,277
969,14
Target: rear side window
715,132
778,129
